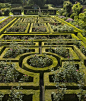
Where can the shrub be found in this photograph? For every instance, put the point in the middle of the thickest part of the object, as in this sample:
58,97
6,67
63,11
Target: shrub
72,15
40,62
14,50
83,50
69,73
77,8
6,12
62,51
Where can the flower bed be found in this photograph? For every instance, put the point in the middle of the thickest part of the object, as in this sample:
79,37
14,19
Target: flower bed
52,63
6,21
62,51
20,26
8,73
14,50
40,62
46,20
27,37
59,27
38,28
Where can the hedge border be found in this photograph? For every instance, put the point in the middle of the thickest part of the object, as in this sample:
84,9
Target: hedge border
48,93
31,68
35,93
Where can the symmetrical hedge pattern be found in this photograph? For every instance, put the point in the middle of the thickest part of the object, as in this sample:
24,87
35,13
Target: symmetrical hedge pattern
25,38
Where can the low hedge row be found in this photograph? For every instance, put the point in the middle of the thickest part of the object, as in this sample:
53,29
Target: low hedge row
70,95
81,37
34,94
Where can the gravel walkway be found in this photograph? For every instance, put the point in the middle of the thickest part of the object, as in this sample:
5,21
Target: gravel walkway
3,18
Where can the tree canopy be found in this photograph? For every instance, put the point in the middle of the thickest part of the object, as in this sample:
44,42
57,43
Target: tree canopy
42,2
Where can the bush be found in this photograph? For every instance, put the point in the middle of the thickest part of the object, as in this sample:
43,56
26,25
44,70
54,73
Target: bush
77,8
6,12
40,62
64,14
61,11
72,15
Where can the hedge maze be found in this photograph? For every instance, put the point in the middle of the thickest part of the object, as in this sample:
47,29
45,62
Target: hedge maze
33,51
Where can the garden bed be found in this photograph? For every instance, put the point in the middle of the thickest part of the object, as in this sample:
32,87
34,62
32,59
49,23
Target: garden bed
38,28
20,26
42,60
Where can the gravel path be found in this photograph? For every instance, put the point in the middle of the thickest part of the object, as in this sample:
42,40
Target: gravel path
3,19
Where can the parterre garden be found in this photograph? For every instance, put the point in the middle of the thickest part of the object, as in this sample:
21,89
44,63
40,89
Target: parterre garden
41,59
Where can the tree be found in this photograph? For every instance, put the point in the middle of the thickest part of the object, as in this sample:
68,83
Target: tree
67,6
77,8
16,1
82,20
40,3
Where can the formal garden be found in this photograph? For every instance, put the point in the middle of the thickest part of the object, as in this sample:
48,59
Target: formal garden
43,54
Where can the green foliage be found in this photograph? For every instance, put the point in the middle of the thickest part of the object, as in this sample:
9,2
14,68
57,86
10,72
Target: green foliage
84,33
77,8
20,26
40,3
65,11
67,6
15,95
83,50
72,15
82,20
62,51
38,27
16,1
61,11
6,12
61,89
62,28
15,49
8,72
40,62
5,22
64,14
76,18
1,96
5,5
69,73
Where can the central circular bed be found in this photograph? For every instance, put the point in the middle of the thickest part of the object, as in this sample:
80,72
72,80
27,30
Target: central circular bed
39,62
